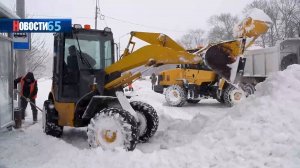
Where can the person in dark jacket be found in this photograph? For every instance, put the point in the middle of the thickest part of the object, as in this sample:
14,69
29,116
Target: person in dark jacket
153,80
74,55
28,93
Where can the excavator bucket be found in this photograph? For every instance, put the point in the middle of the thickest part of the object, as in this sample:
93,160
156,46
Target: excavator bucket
226,58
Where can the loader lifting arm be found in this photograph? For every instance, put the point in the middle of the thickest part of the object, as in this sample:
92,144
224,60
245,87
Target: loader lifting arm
223,58
161,50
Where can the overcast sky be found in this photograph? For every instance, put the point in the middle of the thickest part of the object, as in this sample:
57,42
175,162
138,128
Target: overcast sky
172,17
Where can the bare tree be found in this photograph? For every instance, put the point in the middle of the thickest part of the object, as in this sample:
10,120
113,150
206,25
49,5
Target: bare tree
37,57
285,17
192,39
296,18
288,10
221,27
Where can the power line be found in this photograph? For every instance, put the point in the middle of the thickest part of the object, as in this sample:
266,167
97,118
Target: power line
142,25
103,17
52,16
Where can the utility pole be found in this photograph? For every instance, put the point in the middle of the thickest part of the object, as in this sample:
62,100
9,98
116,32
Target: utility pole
20,55
96,14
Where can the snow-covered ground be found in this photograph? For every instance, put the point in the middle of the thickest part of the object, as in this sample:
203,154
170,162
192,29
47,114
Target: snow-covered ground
262,131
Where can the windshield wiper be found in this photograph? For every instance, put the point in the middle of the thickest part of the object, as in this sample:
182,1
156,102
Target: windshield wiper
83,59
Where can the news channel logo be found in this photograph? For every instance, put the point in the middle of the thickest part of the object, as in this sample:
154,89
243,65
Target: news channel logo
35,25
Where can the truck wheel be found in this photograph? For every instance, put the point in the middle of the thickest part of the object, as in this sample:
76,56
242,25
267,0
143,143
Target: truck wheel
50,125
112,128
233,95
288,60
192,101
148,120
175,95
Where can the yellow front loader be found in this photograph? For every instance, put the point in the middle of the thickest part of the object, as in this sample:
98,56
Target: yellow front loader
190,83
87,87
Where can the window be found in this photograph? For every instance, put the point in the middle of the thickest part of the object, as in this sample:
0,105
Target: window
107,53
96,52
5,82
90,52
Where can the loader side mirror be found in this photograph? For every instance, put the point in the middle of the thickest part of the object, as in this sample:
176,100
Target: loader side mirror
117,52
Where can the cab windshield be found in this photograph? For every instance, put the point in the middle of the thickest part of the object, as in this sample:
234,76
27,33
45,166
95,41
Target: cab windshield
93,51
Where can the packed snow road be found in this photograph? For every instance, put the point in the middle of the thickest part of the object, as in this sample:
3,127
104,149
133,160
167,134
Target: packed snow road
262,131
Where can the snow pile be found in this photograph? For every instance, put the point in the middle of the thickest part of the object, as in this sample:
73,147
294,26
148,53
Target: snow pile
264,130
258,14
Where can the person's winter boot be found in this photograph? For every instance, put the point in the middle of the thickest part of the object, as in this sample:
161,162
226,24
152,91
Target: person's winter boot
23,114
34,116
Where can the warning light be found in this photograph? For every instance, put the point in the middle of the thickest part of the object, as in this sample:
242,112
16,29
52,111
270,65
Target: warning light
87,27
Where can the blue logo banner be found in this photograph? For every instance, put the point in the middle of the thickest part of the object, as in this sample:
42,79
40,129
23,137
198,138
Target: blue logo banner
35,25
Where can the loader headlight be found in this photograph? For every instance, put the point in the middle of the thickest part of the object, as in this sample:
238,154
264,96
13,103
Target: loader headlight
77,26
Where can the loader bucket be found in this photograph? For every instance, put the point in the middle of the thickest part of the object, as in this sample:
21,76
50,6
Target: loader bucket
223,58
250,28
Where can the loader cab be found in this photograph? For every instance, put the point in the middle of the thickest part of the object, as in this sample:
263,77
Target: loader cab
80,57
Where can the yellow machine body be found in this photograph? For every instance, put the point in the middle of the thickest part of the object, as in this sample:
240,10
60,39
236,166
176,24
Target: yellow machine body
176,76
66,113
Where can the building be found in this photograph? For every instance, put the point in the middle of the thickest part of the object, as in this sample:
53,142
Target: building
6,72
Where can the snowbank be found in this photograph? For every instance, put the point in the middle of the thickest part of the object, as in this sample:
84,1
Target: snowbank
262,131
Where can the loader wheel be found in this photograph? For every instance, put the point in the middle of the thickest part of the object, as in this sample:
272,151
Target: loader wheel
148,120
192,101
112,128
175,95
233,95
248,88
50,125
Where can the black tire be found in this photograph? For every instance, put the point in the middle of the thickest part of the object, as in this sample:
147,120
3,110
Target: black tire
288,60
227,95
148,120
192,101
125,123
50,124
221,99
220,94
177,100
